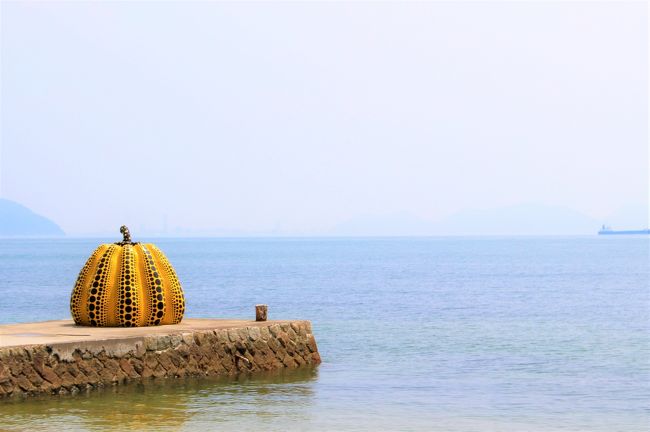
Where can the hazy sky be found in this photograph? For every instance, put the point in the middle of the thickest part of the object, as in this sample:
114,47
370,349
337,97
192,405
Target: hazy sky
253,117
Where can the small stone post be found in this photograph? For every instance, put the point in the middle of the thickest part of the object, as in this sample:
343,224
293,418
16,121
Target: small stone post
261,312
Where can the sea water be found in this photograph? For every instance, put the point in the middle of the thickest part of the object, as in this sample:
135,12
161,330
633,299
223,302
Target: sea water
449,334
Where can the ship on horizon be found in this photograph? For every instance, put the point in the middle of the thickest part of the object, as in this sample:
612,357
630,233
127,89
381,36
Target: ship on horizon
607,230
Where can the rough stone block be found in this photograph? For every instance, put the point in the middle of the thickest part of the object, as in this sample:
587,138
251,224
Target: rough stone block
73,367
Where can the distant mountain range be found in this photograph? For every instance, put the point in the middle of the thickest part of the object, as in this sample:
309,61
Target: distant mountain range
16,220
522,219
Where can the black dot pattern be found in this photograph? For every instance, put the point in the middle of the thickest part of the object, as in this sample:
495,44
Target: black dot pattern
156,297
77,291
139,288
128,308
97,299
178,298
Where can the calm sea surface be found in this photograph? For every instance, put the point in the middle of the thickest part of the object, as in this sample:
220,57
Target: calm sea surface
453,334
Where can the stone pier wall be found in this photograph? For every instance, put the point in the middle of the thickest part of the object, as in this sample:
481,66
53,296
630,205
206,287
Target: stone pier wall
72,367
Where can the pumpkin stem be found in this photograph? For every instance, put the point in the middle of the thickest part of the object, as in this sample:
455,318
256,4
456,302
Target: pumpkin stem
126,236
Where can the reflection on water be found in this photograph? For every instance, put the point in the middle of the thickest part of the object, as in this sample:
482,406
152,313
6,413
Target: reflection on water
171,404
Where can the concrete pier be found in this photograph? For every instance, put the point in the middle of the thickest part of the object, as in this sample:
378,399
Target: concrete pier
58,357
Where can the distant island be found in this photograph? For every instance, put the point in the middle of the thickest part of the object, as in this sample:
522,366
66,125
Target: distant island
16,220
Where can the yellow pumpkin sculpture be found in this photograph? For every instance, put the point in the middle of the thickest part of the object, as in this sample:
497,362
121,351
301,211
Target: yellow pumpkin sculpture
127,284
